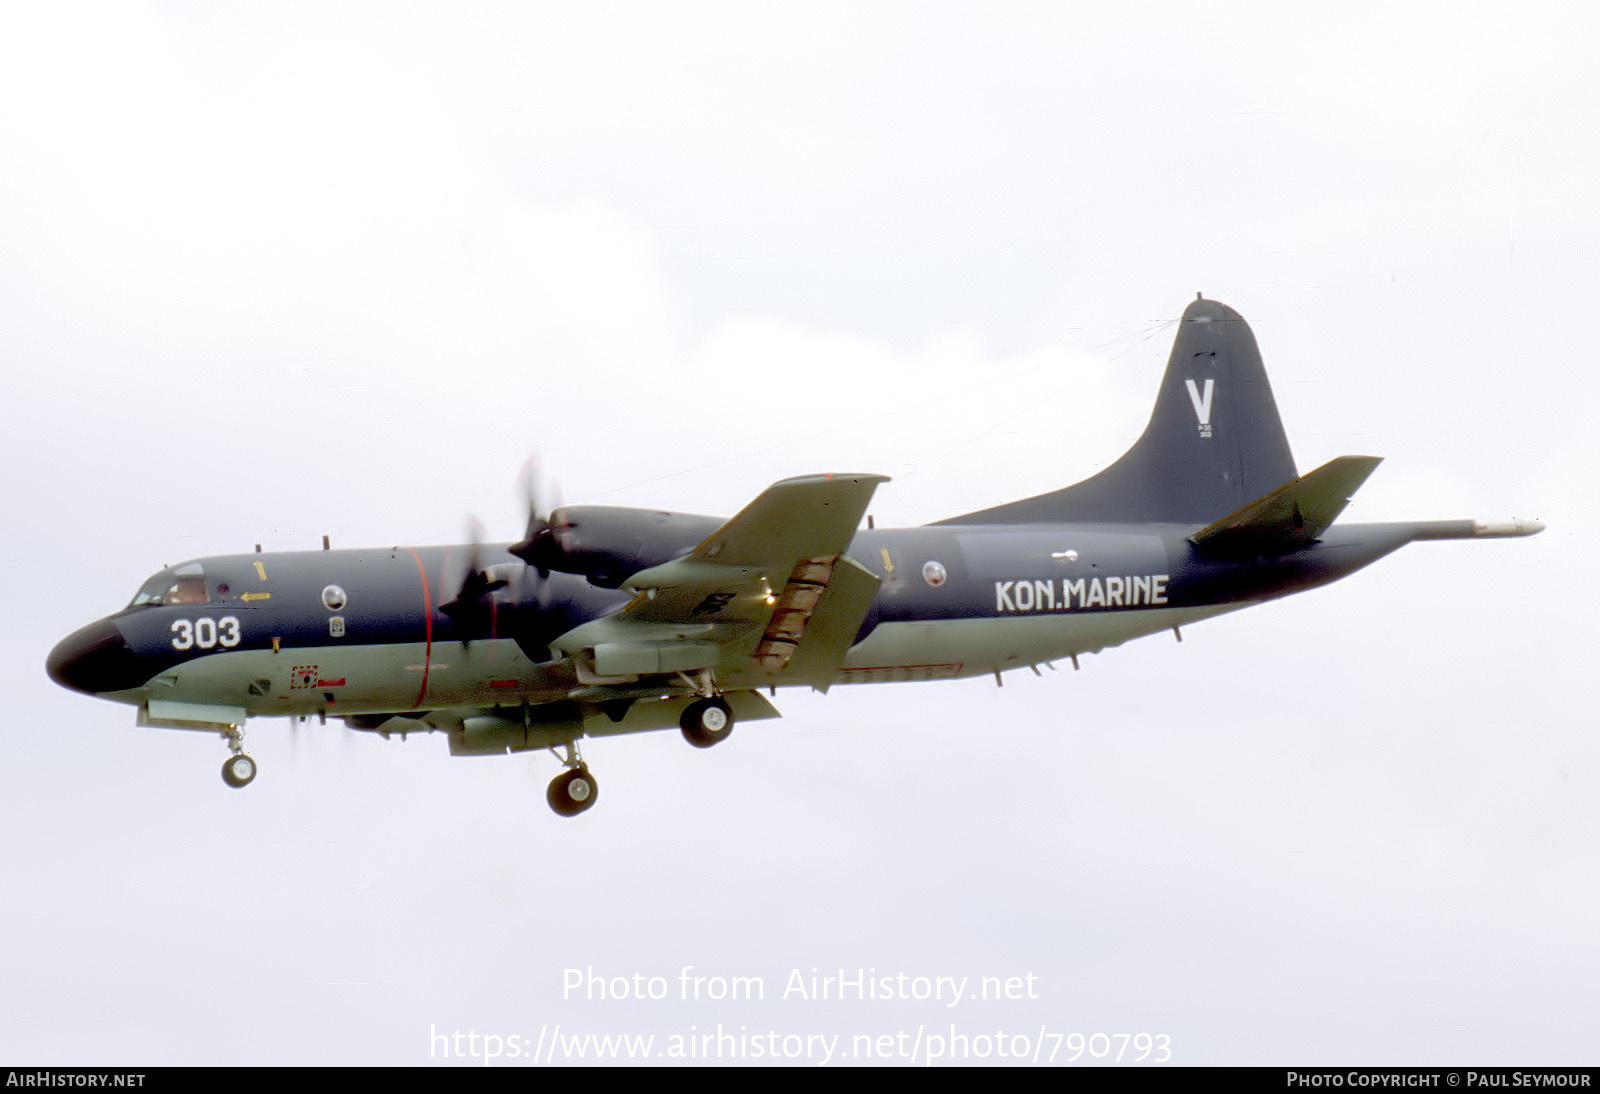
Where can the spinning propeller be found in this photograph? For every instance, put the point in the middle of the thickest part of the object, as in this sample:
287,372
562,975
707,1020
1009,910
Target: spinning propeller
473,608
540,542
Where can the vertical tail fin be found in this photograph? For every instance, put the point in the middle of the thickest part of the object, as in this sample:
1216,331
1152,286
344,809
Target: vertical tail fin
1214,442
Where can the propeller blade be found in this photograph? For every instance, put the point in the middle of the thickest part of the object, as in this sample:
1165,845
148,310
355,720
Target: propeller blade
473,604
543,499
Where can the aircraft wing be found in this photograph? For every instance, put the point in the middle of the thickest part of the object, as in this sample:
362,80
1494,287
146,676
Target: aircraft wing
768,598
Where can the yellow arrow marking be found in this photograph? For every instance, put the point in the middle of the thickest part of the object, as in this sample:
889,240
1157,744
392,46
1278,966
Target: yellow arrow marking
247,597
888,564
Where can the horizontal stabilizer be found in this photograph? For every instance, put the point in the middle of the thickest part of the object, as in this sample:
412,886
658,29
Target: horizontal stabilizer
1292,515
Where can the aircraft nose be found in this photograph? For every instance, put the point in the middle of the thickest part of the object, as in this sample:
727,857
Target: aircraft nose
94,659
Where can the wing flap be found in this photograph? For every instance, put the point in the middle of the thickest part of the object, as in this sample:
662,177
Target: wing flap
1290,517
832,627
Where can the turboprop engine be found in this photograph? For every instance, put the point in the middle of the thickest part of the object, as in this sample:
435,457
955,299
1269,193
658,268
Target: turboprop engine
608,544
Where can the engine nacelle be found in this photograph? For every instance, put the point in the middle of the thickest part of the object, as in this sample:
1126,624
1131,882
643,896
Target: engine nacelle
607,544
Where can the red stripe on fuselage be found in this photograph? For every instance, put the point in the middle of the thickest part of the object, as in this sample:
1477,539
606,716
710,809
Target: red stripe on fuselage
427,627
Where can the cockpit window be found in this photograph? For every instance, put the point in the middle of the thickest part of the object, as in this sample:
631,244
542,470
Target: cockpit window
185,585
186,590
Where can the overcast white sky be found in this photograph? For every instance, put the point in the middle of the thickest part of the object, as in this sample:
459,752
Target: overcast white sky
278,270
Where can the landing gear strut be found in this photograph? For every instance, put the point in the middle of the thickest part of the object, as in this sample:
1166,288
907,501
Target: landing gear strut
239,769
574,790
706,722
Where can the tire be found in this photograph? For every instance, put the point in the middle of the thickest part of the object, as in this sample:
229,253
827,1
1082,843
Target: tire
572,792
238,771
706,722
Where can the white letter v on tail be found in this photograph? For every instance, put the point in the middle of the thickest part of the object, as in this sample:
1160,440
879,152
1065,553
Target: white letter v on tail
1202,403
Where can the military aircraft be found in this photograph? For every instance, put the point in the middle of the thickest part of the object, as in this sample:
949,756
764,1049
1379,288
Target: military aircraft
605,621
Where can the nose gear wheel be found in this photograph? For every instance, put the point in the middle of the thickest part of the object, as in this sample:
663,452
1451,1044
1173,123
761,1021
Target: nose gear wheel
238,771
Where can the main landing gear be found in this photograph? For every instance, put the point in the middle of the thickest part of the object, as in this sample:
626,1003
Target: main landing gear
239,770
574,790
706,722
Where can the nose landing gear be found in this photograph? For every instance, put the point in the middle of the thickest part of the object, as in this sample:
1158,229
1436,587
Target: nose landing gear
239,770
